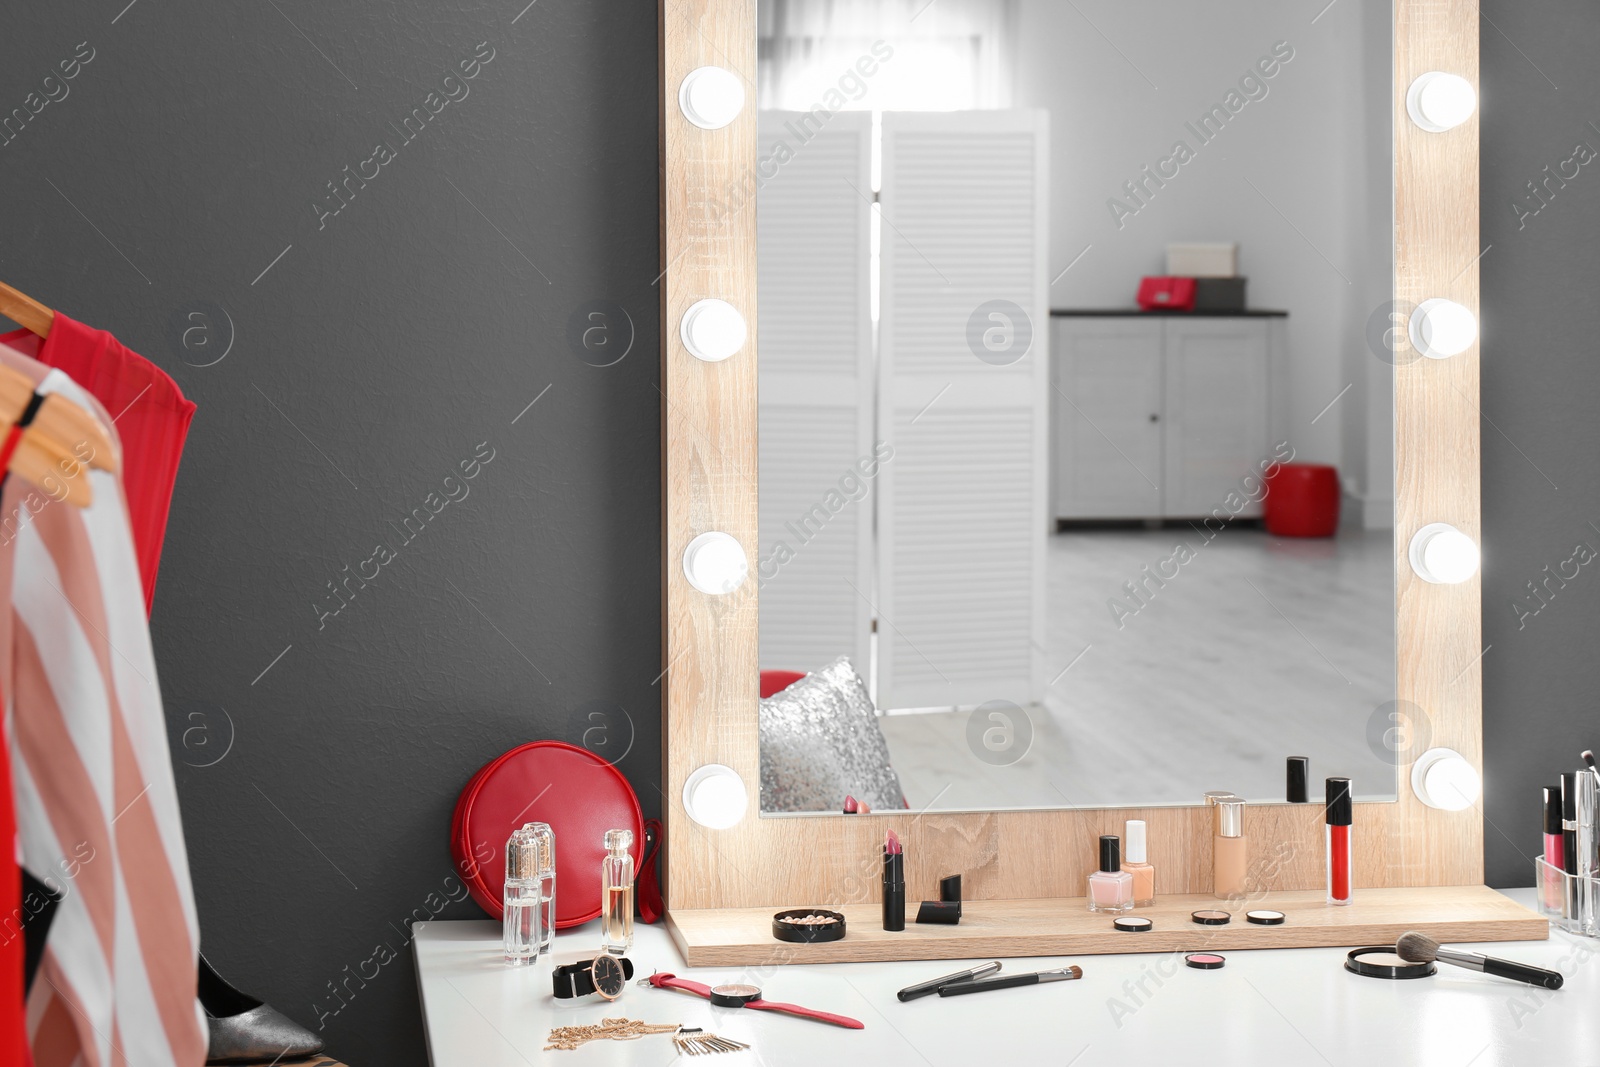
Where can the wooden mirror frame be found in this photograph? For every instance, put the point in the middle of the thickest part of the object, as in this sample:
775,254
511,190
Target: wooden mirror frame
709,456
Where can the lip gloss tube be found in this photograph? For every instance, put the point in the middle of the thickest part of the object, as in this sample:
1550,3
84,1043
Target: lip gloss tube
1554,854
1340,814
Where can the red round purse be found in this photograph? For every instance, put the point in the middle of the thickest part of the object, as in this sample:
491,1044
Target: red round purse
579,794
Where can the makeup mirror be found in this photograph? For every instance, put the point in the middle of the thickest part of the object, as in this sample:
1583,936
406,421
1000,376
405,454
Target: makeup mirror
1075,554
1020,857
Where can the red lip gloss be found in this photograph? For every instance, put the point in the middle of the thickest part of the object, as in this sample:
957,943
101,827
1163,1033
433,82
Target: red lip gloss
1340,814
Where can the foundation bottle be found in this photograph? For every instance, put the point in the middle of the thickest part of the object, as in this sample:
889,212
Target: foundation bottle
1228,848
1144,875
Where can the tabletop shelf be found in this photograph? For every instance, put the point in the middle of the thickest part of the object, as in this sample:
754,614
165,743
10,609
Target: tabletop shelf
1063,926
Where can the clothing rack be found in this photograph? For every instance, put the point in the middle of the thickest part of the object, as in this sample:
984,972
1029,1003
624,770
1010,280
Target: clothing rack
25,311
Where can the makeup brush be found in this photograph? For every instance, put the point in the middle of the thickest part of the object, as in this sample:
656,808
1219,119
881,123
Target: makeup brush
981,985
1588,759
1420,948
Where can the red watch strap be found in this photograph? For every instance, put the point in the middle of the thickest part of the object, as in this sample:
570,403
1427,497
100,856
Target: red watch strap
671,981
809,1013
662,980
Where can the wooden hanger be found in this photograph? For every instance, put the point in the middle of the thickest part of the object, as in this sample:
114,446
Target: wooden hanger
63,438
25,311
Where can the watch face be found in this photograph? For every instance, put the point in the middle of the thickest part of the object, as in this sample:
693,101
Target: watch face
609,980
734,994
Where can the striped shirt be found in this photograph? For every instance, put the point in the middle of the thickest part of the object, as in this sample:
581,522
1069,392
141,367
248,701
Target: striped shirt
97,807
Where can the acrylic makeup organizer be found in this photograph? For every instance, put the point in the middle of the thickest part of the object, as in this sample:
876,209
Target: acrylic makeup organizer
1570,901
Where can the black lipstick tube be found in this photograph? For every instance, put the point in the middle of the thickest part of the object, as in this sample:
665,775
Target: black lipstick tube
894,890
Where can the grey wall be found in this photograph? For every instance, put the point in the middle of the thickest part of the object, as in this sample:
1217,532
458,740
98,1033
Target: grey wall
364,366
1541,484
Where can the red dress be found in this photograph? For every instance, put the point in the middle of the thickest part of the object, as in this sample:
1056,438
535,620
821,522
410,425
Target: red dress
151,415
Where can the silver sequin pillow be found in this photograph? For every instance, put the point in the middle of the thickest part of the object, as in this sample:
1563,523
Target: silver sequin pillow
820,742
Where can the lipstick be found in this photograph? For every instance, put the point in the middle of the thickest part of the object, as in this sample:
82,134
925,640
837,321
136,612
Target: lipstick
894,883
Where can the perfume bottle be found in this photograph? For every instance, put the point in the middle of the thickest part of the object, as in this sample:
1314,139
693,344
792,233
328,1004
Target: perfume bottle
521,921
546,839
616,894
1144,875
1111,887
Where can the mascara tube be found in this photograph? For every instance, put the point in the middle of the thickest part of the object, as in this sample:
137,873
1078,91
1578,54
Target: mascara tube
1588,836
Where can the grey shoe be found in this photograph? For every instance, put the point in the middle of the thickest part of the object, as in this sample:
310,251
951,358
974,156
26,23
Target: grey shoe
246,1031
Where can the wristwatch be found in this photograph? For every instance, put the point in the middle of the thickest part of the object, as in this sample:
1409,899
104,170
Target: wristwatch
606,975
735,995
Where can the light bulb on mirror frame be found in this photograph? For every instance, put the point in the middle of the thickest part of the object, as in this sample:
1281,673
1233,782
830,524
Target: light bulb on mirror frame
715,797
715,563
1442,778
1438,101
711,97
1442,328
1441,554
712,330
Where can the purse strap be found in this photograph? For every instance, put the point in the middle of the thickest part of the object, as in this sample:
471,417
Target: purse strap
649,887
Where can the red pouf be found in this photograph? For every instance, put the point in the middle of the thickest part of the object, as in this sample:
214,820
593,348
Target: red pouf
1302,501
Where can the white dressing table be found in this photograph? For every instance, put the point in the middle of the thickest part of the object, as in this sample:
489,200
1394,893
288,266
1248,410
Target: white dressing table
1267,1008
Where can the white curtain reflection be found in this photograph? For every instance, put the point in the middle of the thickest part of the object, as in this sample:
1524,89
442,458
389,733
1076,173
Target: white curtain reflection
942,55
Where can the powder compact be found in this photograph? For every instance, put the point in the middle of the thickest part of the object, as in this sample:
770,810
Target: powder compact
1136,924
1205,961
808,925
1380,961
1212,918
1265,917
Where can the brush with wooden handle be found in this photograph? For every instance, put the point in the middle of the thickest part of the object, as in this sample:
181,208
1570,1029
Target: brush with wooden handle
1420,948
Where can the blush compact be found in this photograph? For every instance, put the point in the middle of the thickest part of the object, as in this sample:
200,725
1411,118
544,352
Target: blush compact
1265,917
1380,961
1205,961
808,926
1211,917
1133,924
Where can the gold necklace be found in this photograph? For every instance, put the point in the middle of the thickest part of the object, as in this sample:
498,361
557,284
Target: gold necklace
570,1037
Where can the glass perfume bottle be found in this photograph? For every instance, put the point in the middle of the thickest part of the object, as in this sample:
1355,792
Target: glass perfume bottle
520,924
616,894
547,883
1111,887
1144,875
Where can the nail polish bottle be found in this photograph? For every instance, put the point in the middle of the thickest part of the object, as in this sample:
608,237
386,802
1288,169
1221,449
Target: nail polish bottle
616,889
520,922
1229,854
1144,875
1340,814
1111,887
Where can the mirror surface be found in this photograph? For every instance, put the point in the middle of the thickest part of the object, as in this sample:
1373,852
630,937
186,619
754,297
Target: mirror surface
1074,554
